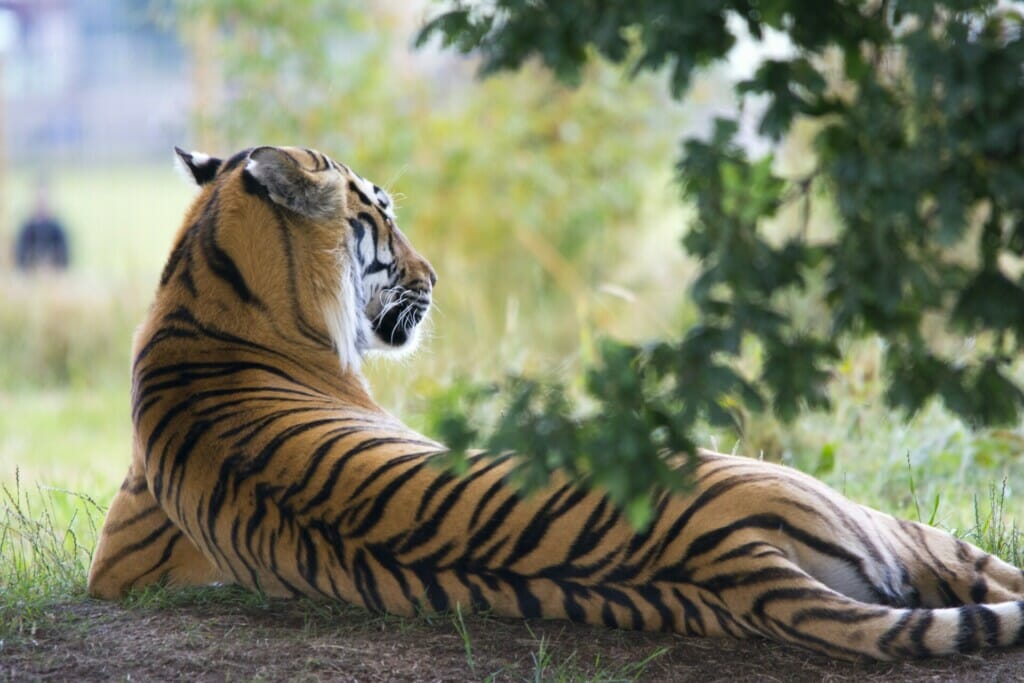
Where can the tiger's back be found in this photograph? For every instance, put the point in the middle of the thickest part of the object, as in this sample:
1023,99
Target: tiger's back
260,458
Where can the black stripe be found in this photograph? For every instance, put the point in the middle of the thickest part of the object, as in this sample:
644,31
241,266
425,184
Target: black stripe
532,535
745,578
709,494
615,596
306,556
359,193
333,539
176,334
302,324
324,493
432,589
964,640
573,610
204,172
478,600
428,529
358,231
316,459
989,625
920,631
842,614
381,499
496,520
182,458
111,529
186,277
693,620
809,594
489,494
751,549
236,160
189,372
707,542
608,616
183,315
529,605
593,530
173,259
385,558
141,544
486,558
318,164
258,463
1019,639
886,640
440,481
134,486
236,548
165,555
652,595
219,261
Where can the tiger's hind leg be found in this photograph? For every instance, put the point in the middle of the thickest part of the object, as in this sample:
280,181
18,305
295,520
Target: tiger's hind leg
946,571
774,597
139,545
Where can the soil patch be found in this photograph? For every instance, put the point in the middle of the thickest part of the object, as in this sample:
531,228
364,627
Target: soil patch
276,641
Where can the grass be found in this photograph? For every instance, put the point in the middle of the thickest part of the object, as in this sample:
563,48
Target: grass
551,663
76,439
46,541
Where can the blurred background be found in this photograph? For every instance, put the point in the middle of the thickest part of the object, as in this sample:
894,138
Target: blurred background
550,214
524,194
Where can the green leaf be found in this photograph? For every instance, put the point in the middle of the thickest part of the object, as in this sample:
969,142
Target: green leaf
826,460
991,301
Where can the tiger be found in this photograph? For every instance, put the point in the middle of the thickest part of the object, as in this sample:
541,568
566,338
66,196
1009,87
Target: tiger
260,458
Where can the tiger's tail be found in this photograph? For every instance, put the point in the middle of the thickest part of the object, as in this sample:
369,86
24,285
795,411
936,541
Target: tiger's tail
801,610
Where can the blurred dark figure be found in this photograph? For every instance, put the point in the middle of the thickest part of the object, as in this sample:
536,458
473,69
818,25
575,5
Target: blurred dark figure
41,242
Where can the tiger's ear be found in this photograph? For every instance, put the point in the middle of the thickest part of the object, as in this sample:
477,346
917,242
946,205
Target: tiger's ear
315,194
202,167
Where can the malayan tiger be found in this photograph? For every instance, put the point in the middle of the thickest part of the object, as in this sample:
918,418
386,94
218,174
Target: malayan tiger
260,458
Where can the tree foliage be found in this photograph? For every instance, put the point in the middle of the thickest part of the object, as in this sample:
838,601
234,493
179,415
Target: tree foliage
919,145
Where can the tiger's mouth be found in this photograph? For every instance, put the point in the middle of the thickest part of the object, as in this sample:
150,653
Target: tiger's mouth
399,312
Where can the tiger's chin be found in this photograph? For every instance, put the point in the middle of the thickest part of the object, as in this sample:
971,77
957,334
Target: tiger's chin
385,349
397,332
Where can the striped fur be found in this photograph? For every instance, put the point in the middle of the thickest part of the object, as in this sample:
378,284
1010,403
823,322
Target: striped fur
261,459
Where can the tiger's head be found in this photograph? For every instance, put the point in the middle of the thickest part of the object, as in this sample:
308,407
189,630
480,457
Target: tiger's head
289,231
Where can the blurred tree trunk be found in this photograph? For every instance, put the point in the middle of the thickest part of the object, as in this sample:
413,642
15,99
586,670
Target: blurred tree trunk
201,37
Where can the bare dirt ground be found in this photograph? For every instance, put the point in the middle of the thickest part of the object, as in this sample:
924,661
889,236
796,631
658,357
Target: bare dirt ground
277,641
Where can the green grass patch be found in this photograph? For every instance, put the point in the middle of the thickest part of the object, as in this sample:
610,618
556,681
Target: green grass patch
46,541
74,439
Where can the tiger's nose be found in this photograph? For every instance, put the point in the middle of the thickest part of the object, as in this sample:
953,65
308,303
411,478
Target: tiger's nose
432,275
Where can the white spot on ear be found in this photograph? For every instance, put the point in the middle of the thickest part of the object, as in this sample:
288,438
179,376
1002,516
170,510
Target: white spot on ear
200,159
182,168
251,164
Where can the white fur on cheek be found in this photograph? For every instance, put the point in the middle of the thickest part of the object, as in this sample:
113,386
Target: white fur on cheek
342,317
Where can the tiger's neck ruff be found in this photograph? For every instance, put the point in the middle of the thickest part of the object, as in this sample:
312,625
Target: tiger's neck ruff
259,458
